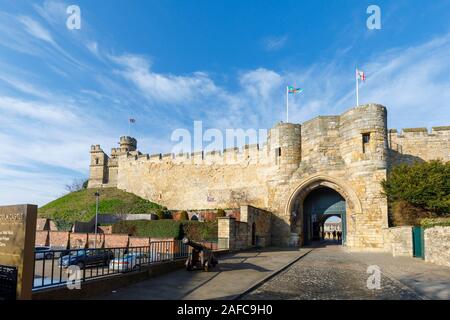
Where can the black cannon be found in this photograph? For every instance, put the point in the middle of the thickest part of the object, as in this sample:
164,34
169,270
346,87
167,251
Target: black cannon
199,257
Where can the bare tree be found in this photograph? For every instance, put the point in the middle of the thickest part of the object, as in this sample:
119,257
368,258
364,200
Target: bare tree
76,185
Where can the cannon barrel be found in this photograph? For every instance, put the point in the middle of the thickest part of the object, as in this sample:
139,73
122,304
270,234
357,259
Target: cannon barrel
193,244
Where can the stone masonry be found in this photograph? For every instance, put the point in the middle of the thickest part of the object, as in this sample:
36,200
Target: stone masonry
349,153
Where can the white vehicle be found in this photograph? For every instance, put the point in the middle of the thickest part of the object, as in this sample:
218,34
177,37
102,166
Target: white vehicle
130,261
43,253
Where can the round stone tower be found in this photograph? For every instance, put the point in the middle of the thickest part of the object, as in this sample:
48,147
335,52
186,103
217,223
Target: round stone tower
364,137
284,144
365,153
128,144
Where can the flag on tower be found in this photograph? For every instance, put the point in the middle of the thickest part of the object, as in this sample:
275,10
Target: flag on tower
292,90
361,75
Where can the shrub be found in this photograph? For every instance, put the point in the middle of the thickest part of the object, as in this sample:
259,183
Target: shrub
425,185
63,225
149,228
200,231
184,216
85,184
163,214
221,213
405,214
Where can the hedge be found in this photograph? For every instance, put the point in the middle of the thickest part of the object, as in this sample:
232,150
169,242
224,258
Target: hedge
200,231
195,230
149,228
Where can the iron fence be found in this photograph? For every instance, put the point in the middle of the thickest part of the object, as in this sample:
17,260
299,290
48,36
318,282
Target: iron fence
59,267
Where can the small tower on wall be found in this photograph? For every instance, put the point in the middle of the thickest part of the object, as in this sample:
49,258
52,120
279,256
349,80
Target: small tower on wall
98,169
285,147
127,144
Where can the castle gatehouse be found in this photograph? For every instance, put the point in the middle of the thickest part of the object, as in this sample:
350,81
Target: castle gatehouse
305,173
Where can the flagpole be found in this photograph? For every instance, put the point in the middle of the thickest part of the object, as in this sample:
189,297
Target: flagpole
287,104
357,87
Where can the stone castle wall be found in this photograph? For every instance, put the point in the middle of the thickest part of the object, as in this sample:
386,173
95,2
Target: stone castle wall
437,245
398,241
348,153
416,144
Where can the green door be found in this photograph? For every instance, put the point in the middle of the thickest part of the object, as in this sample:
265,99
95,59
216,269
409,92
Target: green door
418,248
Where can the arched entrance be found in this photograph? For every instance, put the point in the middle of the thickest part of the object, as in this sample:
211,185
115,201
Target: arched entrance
319,205
332,229
316,199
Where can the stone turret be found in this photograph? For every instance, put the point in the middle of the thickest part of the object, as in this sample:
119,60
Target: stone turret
98,172
364,138
284,143
128,143
104,169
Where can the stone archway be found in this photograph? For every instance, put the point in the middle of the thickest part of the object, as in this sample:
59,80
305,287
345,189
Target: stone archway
295,208
320,204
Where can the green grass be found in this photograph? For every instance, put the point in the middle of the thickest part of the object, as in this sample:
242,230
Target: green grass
80,205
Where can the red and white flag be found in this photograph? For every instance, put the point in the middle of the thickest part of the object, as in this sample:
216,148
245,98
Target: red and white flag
361,75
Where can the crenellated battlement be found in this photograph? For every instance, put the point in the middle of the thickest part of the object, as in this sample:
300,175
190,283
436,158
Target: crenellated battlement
248,154
418,144
96,148
414,132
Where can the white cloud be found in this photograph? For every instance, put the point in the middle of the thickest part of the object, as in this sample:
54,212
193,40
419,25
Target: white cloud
37,111
54,12
36,29
261,83
93,47
165,88
275,43
24,86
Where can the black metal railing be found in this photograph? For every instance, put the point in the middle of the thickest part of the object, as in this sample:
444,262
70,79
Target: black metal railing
61,267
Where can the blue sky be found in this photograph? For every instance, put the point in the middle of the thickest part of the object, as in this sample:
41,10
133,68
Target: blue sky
226,63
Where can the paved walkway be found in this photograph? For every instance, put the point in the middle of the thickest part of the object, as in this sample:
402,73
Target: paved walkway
323,272
331,272
233,275
428,280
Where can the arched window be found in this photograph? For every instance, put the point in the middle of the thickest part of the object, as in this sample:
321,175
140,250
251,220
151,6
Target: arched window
96,160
